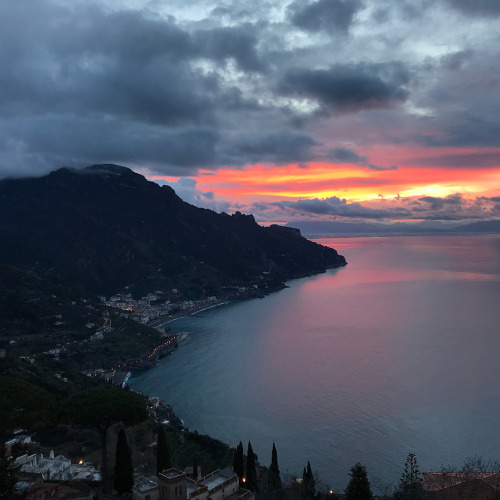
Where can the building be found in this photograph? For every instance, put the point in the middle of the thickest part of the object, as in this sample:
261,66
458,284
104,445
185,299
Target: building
462,485
145,489
174,484
56,468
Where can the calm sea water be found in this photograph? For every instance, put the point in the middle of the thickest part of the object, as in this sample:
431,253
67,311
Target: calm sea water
398,352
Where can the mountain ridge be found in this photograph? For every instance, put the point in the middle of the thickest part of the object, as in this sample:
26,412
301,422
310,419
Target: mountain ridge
108,228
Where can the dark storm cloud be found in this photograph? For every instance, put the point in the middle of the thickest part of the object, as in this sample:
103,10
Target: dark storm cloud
277,147
477,7
438,203
118,64
344,155
325,15
331,206
237,43
349,87
55,141
80,85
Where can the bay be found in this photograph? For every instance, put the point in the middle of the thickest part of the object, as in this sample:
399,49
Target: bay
398,352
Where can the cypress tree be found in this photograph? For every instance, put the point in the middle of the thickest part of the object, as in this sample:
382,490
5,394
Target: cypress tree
239,463
359,486
251,475
308,483
162,454
124,470
195,469
274,472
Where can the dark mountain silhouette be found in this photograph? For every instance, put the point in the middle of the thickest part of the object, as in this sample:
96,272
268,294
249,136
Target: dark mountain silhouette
107,227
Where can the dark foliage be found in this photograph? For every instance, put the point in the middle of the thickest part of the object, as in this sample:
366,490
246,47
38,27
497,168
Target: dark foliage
101,408
7,478
239,463
274,479
308,482
411,482
163,455
195,468
23,404
42,312
251,471
358,487
123,478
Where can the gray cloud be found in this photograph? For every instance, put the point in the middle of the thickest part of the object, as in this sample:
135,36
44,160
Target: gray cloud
343,155
477,7
278,147
186,189
329,206
349,87
325,15
237,43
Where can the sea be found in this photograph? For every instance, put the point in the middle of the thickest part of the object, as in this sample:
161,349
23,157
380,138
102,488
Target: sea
396,353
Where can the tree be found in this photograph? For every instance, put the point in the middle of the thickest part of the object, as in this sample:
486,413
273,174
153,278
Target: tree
274,481
251,475
123,479
239,463
359,486
162,453
411,482
7,478
23,404
195,469
101,408
308,482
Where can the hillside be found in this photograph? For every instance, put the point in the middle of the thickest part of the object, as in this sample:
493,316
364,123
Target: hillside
106,228
42,314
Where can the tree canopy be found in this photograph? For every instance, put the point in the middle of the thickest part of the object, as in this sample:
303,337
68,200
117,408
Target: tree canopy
23,404
359,486
101,408
104,407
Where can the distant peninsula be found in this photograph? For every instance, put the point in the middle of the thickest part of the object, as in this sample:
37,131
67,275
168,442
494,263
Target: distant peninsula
109,229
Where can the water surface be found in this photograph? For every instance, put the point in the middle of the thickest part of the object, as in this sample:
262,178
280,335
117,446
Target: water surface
398,352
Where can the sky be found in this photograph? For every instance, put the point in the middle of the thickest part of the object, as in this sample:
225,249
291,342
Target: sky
341,110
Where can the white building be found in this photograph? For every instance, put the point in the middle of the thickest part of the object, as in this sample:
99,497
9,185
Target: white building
56,468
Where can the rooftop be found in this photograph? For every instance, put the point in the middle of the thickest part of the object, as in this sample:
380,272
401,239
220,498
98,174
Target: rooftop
143,484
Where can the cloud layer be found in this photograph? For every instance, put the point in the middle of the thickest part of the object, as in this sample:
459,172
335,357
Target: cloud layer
186,89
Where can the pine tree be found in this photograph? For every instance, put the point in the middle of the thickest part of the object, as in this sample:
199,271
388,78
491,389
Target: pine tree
239,463
251,475
411,482
162,454
359,486
124,470
274,472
